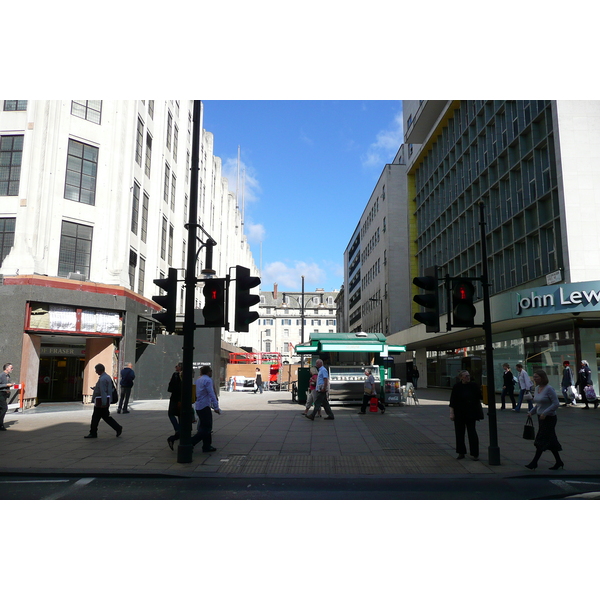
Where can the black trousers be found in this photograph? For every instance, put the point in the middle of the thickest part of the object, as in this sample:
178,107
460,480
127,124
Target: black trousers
102,413
322,401
510,392
3,408
124,399
460,424
204,428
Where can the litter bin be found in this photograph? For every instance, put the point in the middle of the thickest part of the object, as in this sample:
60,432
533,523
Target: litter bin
391,391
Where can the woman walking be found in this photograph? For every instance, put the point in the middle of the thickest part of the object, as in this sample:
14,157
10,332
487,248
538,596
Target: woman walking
584,378
545,403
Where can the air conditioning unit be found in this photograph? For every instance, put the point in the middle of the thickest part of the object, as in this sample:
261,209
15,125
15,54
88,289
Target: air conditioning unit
77,276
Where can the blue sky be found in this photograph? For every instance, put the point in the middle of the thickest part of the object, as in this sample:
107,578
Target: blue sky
310,167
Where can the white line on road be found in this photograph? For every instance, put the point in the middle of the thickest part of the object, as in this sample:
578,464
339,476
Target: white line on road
79,482
563,485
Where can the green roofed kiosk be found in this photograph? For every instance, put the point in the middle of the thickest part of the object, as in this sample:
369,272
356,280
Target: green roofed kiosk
346,356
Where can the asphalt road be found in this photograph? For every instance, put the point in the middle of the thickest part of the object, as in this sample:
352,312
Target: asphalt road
297,488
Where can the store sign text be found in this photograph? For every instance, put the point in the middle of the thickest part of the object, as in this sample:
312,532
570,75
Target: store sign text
558,298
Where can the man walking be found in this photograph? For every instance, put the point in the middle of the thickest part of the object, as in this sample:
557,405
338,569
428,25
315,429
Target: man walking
127,377
102,394
524,388
4,393
322,389
206,399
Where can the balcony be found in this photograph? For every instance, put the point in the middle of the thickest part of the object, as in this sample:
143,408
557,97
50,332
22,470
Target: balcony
426,117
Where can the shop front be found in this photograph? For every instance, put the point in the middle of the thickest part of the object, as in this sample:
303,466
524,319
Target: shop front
539,327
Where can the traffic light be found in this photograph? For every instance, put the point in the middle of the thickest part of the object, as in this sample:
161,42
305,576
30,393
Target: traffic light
215,302
168,301
431,316
463,309
244,282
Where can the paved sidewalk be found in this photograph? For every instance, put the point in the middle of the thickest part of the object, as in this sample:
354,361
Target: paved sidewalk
267,435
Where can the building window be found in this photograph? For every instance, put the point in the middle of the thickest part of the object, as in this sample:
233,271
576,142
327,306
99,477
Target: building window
15,105
173,188
267,346
169,128
7,236
167,182
139,142
267,332
175,141
170,256
75,249
145,217
90,110
11,153
163,239
141,276
148,164
82,164
286,333
132,266
135,209
151,108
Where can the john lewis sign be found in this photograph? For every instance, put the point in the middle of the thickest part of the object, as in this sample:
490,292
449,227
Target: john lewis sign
565,298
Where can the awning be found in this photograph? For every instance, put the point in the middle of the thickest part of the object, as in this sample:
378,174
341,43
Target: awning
348,342
306,349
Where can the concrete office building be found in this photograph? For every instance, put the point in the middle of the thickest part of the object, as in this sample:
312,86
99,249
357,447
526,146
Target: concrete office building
376,260
94,197
533,165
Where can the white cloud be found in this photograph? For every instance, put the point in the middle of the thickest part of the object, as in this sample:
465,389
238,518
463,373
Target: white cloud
290,277
386,144
249,185
255,232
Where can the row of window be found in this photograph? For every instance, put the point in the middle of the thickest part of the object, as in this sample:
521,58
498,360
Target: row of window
298,322
370,246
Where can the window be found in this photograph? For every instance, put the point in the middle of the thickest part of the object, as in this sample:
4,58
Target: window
267,346
267,332
15,105
7,236
132,266
151,108
170,256
173,187
75,249
175,140
135,209
141,275
82,164
163,239
145,217
167,182
11,153
139,142
286,333
90,110
148,164
169,128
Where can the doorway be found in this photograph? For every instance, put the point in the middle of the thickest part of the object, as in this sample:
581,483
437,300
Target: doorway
60,379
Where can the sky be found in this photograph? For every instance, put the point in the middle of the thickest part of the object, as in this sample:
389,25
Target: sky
308,168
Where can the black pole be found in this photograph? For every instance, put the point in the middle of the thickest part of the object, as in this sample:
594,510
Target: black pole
493,450
185,448
302,323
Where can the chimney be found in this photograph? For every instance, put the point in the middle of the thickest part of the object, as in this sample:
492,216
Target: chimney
274,291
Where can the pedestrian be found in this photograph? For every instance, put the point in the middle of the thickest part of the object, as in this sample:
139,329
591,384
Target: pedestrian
584,379
258,381
174,410
312,392
415,376
322,391
508,386
545,405
524,388
566,383
206,399
127,377
369,392
5,384
465,411
102,395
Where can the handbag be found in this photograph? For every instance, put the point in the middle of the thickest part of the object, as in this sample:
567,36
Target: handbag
529,429
528,396
590,393
115,396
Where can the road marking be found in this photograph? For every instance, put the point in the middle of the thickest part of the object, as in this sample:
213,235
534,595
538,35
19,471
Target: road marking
585,496
79,482
39,481
563,485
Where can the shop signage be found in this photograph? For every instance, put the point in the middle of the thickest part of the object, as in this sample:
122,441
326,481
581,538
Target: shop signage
573,297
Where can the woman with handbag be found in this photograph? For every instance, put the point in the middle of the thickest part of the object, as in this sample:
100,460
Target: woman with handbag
545,403
584,380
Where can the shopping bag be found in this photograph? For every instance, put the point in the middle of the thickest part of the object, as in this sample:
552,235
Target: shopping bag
529,430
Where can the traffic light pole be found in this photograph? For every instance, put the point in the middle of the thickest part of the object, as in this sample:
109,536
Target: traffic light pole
493,449
185,450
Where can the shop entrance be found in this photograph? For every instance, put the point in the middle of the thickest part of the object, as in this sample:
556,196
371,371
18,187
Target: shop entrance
60,379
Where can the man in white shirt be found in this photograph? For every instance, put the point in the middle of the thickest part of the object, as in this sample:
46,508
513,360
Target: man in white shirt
322,389
524,387
206,399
